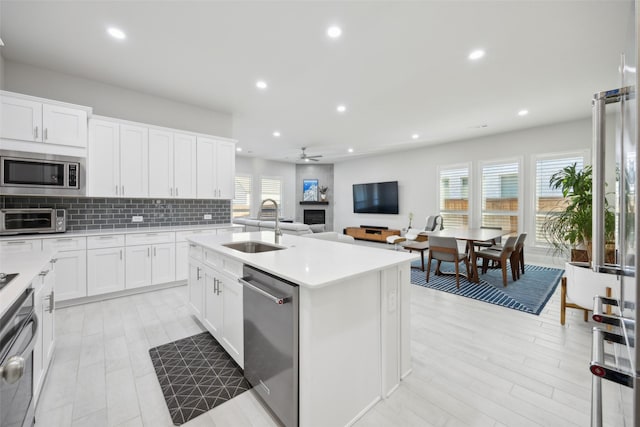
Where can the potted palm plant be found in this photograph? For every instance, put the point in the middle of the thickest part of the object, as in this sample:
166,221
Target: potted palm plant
568,228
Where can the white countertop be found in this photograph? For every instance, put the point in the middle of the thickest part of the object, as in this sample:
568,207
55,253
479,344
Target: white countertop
28,266
86,233
311,263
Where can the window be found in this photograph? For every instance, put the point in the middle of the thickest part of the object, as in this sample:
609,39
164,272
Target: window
242,200
500,195
549,200
271,188
454,196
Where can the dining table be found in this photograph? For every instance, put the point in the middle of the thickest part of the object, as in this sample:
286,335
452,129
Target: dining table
471,235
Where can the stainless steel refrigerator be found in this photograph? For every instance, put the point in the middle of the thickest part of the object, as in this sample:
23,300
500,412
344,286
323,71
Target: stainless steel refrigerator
615,398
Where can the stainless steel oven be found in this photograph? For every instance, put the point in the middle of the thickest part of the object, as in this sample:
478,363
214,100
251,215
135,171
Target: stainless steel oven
32,220
17,340
36,174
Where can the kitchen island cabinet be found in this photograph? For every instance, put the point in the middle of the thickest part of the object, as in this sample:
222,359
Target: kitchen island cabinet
353,318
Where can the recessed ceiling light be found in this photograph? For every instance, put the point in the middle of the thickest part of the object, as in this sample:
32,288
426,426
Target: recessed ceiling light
261,84
334,32
341,108
276,134
476,54
238,149
523,112
350,150
415,136
116,33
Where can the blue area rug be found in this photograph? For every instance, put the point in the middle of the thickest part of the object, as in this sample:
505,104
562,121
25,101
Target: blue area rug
529,294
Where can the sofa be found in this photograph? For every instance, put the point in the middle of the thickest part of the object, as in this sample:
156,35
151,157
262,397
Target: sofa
295,228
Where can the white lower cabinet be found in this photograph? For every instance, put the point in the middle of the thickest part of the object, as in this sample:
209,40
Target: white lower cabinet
71,275
182,260
138,266
45,340
105,270
196,288
215,298
163,263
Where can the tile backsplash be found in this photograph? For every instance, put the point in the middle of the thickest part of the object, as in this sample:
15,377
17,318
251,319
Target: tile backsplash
95,213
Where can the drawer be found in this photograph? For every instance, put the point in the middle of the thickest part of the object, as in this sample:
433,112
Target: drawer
211,258
20,246
195,251
149,238
181,236
231,266
65,243
108,241
227,230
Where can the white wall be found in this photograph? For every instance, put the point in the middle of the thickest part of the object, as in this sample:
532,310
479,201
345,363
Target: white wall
114,101
417,172
258,168
1,70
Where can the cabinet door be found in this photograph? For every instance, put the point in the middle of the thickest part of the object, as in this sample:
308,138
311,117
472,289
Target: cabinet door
206,185
103,158
163,263
213,303
184,165
233,323
71,275
64,126
138,266
182,260
105,270
21,119
134,161
20,246
160,163
225,166
196,288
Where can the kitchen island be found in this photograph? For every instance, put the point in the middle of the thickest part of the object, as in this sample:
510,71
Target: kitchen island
353,318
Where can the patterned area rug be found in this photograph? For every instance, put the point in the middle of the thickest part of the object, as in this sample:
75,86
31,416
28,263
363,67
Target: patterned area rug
529,294
196,374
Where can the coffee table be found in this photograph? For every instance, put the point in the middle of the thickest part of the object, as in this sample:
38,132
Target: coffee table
412,245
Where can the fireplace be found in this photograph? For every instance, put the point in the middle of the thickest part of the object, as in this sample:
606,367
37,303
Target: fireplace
314,216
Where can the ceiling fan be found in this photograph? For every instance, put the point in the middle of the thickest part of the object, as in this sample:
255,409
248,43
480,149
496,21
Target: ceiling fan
304,156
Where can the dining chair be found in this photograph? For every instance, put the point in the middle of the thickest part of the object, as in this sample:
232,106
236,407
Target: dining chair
502,256
445,249
518,254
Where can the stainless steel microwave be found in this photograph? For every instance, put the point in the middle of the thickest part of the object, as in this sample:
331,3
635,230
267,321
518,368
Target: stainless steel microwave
41,174
35,220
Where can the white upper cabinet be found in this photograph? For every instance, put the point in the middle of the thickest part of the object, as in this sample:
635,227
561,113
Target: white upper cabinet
21,119
206,169
25,118
225,169
184,161
64,126
103,174
134,155
216,169
160,163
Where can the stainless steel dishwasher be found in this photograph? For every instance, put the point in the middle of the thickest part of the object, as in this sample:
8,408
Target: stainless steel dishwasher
271,341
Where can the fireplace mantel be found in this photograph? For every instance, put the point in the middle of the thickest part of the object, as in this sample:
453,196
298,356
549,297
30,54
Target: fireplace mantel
326,202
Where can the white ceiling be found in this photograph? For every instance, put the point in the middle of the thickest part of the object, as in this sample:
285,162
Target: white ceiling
400,67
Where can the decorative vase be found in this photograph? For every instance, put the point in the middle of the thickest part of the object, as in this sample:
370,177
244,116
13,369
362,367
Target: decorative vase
323,197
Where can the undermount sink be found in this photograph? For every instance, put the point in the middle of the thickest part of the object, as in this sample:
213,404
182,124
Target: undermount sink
252,247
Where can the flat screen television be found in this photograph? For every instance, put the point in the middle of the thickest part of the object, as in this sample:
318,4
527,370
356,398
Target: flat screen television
376,197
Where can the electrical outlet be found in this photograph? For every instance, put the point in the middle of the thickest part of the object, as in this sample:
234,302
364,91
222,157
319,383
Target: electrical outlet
208,216
137,218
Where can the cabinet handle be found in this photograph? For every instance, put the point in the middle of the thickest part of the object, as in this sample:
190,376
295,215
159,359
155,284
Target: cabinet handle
123,190
46,133
120,254
215,285
17,242
197,273
116,190
192,245
105,237
171,191
154,251
65,239
35,132
176,191
53,260
51,301
44,273
148,252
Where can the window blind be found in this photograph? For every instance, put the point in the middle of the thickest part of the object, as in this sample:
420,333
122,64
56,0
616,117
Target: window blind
550,200
271,188
500,195
454,197
242,200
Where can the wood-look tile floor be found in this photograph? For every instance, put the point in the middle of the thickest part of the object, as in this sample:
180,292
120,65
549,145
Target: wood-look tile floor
474,364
